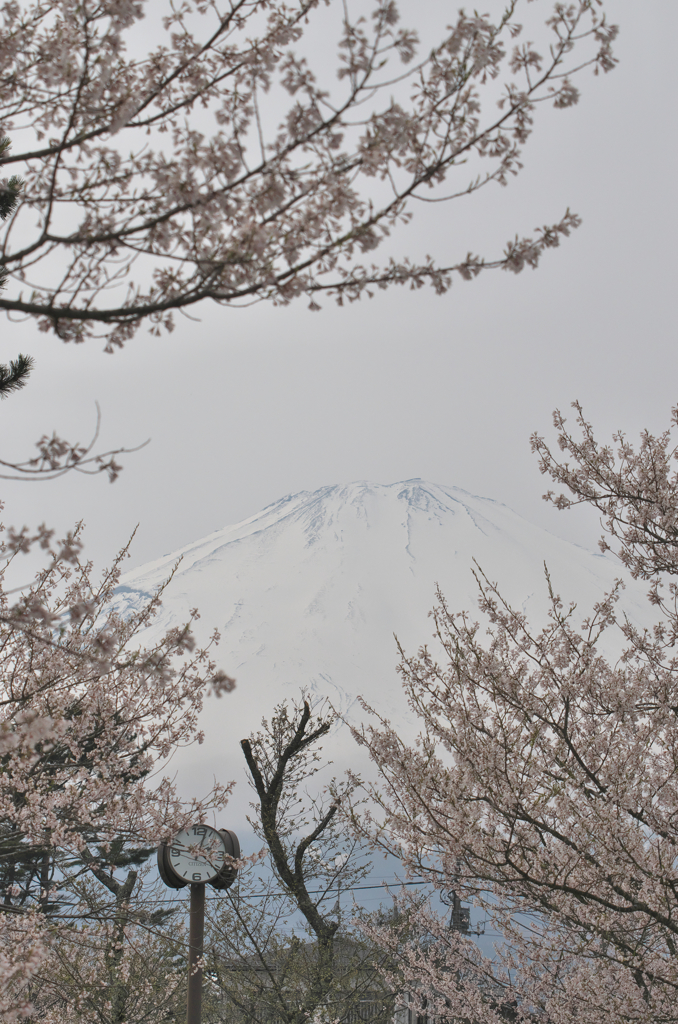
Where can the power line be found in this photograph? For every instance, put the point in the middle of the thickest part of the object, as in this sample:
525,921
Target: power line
339,888
311,892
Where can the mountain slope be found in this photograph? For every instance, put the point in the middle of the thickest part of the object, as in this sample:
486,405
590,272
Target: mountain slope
310,591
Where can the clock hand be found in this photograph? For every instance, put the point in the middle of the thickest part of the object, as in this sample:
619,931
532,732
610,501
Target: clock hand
188,850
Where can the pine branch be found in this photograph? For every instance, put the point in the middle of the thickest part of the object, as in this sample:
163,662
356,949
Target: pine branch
9,188
9,195
14,376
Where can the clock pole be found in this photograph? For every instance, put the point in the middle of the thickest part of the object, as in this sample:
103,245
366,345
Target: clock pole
196,934
189,859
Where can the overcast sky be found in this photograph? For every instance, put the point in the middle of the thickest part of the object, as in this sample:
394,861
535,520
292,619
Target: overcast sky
252,404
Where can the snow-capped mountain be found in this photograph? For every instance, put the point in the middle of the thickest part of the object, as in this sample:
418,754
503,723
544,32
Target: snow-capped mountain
310,591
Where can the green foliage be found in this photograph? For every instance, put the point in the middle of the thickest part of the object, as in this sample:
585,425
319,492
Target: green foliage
9,187
14,376
9,195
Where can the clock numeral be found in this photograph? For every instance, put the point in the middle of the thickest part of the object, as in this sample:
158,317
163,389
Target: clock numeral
197,877
198,830
175,853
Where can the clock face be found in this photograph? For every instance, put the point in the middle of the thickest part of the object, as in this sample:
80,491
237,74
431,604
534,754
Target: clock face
195,855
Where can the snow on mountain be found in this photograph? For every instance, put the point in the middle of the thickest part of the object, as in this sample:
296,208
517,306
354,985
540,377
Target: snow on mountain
310,591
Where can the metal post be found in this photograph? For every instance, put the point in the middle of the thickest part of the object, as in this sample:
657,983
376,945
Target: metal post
196,933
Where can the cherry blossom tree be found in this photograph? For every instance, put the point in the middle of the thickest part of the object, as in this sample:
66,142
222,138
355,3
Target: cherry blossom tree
223,162
85,716
119,962
278,946
88,716
544,785
56,456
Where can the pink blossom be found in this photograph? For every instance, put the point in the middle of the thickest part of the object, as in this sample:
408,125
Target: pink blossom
154,181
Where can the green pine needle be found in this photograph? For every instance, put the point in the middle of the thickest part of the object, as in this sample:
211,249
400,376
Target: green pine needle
14,376
9,188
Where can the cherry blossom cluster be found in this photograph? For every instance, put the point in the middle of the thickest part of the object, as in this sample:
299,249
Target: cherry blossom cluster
220,164
88,717
544,784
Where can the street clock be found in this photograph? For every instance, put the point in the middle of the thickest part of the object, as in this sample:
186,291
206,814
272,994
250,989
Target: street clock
197,855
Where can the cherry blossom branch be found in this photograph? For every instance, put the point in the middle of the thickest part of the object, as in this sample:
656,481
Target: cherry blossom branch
195,211
56,457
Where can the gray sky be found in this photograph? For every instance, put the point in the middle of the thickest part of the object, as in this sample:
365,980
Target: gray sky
252,404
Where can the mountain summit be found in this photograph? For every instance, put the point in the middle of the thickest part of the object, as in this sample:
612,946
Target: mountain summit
310,591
